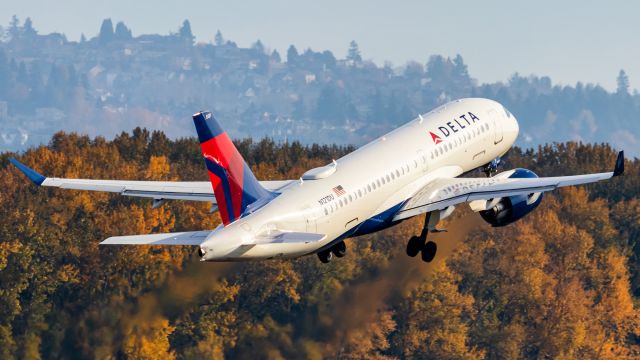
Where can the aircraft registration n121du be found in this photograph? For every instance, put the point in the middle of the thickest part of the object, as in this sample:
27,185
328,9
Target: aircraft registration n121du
408,172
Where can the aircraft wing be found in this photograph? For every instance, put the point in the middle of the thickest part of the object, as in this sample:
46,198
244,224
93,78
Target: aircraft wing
158,190
442,193
179,238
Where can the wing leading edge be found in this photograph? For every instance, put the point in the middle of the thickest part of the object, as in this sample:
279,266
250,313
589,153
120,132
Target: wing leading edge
443,193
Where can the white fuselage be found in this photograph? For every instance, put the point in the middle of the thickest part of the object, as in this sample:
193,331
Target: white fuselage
375,180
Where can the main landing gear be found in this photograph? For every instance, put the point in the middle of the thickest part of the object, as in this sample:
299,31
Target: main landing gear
339,250
419,244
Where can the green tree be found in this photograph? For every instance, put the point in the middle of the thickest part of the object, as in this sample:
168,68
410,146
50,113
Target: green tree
122,32
219,40
106,34
185,33
353,54
623,83
28,29
292,55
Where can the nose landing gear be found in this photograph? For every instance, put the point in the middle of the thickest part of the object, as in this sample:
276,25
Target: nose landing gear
492,168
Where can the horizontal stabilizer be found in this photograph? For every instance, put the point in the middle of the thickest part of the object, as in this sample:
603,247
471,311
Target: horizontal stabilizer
281,237
179,238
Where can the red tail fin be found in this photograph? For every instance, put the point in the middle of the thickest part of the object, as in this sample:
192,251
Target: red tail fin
234,185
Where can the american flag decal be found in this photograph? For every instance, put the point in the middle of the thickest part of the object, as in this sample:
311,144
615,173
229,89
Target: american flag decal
338,190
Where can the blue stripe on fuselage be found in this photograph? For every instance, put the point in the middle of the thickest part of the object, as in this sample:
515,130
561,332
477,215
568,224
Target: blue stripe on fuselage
378,222
373,224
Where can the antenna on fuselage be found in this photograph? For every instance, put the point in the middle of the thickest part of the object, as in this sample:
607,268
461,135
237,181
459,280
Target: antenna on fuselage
421,119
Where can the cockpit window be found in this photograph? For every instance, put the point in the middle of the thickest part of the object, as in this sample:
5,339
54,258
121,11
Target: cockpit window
507,112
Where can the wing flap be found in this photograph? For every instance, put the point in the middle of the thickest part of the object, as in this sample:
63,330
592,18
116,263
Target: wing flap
179,238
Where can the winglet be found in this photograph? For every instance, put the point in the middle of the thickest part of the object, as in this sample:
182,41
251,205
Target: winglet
34,176
619,169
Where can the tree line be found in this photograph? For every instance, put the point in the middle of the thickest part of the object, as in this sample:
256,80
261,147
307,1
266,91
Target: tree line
562,283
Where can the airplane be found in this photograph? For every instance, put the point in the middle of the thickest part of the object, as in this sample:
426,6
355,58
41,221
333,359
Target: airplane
414,170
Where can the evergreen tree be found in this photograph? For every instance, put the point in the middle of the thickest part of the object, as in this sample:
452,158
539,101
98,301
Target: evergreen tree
275,56
219,40
106,32
623,83
28,29
292,55
185,32
353,54
122,32
14,28
328,59
258,47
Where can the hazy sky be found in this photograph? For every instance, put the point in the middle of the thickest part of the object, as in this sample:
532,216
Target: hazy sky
572,40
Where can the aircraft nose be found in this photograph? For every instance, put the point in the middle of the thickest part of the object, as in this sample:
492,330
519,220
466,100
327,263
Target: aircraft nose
512,128
515,127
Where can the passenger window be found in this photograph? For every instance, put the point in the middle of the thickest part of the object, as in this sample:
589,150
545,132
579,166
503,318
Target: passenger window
359,192
350,198
326,212
369,187
415,164
397,173
388,178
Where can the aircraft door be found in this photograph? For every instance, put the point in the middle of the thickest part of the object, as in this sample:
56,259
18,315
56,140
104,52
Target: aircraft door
311,219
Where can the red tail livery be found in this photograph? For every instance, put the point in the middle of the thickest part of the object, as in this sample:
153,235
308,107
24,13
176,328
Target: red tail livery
234,185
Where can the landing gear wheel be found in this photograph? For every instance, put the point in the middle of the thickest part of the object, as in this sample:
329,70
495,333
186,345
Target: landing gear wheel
429,251
414,245
325,256
339,249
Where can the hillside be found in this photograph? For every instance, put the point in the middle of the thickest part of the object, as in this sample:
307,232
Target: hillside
563,282
115,81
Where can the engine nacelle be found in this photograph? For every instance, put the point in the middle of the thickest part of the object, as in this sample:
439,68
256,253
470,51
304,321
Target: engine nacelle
512,208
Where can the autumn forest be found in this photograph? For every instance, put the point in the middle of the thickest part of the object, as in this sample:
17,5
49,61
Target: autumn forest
562,283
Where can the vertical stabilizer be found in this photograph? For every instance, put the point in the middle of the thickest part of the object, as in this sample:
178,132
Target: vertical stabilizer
234,185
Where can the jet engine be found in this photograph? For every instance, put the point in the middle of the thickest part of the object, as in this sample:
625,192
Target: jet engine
506,210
